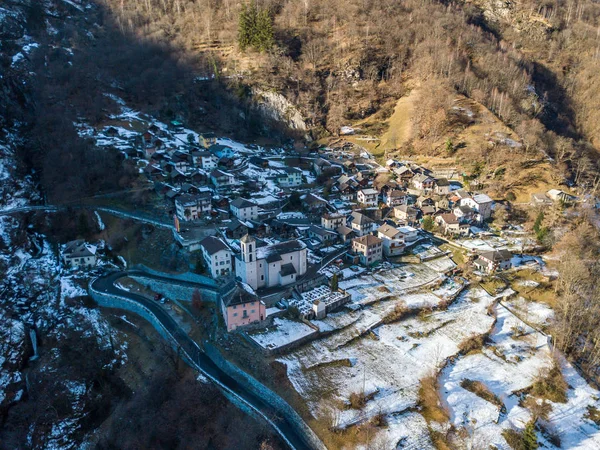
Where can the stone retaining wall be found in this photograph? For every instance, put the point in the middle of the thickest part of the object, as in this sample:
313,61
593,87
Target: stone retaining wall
259,389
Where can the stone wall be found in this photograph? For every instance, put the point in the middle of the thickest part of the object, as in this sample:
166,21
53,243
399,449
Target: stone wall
259,389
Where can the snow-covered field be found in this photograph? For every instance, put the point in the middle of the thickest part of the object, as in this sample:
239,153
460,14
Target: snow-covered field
282,333
386,361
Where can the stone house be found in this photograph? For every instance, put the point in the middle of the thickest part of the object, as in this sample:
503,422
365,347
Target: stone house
369,248
217,257
79,254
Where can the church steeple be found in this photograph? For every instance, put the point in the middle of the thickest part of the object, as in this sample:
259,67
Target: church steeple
248,244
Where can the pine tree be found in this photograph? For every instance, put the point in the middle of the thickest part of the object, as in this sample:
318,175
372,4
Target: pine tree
334,282
530,437
246,26
255,28
264,31
538,222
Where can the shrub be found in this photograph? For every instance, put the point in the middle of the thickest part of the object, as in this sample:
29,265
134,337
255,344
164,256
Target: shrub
521,440
400,310
429,401
358,400
474,343
593,414
481,390
551,385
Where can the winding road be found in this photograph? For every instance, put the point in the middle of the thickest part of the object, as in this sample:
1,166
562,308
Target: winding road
291,433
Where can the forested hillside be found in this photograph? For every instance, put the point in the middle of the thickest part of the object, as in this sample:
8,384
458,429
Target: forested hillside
532,64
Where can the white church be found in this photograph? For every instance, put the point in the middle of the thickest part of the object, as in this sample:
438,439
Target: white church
272,265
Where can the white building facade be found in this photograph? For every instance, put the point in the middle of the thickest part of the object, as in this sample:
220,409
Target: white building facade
273,265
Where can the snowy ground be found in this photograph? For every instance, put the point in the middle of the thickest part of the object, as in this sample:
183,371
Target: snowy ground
509,364
282,333
363,353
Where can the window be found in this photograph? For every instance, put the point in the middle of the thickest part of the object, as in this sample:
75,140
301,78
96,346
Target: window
234,314
262,278
252,311
251,257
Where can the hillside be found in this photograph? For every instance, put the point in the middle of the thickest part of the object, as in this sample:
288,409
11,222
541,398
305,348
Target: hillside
342,63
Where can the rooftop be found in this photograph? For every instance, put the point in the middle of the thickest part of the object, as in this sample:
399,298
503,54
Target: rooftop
213,245
368,240
242,203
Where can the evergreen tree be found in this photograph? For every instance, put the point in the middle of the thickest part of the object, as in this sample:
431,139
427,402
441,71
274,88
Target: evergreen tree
334,282
530,437
255,28
428,223
264,31
245,26
537,226
449,146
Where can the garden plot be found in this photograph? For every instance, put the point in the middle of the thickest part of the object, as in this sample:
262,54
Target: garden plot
386,360
511,363
284,332
367,289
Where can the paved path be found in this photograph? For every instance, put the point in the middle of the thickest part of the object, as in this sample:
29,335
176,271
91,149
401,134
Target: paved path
290,432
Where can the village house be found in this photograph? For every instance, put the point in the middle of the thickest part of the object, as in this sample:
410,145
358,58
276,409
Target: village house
198,176
177,177
493,261
423,182
331,221
404,174
79,254
450,224
289,177
272,265
360,223
320,165
409,234
192,206
480,203
347,192
236,229
313,203
559,196
217,257
406,214
323,236
441,202
222,151
424,201
244,209
204,160
221,179
369,249
345,233
367,197
241,310
207,139
181,161
393,240
395,197
441,186
464,213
